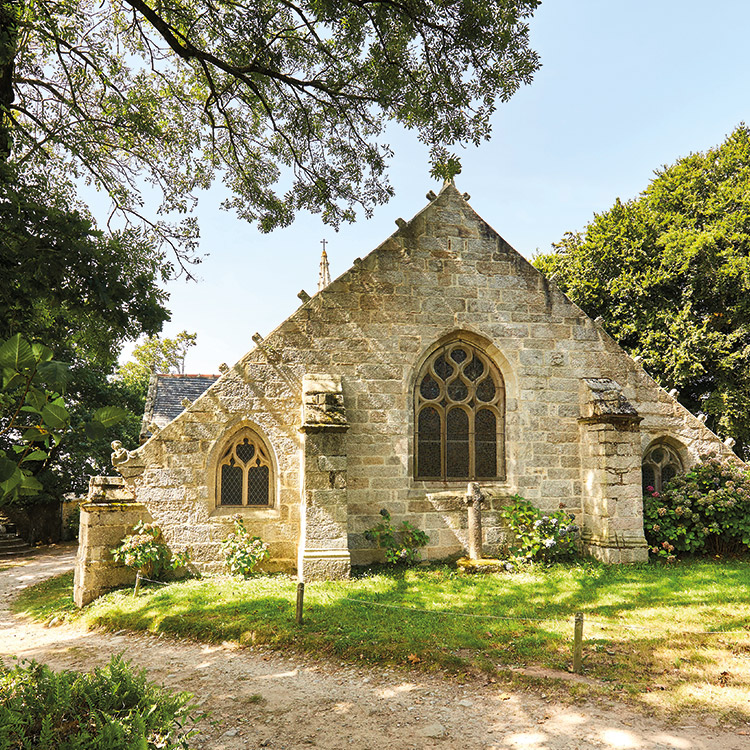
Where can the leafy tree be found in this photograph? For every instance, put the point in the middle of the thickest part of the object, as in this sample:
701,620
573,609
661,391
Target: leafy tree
669,272
66,283
85,292
34,418
155,355
289,99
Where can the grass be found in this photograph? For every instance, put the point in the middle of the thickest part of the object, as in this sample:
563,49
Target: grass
644,625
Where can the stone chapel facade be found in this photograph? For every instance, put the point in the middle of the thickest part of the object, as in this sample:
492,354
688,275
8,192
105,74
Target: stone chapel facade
443,357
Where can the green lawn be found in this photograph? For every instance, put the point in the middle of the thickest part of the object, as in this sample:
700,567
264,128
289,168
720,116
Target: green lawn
644,628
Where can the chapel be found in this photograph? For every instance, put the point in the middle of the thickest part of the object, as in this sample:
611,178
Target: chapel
441,358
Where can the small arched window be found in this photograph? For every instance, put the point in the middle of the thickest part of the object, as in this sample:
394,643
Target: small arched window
244,472
660,464
459,416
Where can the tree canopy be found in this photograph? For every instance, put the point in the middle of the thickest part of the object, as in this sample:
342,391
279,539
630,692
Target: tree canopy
65,283
289,99
669,272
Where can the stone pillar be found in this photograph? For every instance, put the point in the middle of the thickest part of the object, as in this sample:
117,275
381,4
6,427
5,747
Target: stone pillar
473,501
612,527
107,516
323,551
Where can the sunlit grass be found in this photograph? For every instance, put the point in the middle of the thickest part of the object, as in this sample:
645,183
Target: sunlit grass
645,626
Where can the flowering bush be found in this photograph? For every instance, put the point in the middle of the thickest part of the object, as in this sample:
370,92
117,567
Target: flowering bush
704,511
242,552
401,545
144,550
538,535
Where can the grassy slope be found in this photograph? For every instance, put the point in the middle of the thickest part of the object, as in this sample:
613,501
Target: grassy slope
642,634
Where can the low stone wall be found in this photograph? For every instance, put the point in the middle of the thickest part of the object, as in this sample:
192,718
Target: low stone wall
108,515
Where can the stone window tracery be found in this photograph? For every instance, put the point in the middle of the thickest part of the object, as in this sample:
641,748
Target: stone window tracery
660,464
459,416
244,472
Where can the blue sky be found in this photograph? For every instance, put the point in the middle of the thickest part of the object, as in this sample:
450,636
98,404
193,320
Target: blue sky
624,88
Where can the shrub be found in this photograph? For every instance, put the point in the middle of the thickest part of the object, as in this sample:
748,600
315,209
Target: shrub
243,552
704,511
537,535
401,545
113,708
145,550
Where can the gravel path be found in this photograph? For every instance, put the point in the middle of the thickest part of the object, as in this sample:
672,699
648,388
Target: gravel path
257,699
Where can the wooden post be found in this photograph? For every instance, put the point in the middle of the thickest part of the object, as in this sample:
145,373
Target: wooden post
578,643
300,601
137,588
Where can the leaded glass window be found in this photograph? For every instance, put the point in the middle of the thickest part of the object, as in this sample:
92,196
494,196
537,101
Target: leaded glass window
660,464
245,472
459,416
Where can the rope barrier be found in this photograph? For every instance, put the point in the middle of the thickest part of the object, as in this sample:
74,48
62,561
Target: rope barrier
600,623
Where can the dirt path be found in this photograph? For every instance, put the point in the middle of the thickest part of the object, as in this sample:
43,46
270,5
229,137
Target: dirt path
266,700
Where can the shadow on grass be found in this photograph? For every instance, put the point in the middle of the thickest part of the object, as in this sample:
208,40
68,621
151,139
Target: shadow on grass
437,618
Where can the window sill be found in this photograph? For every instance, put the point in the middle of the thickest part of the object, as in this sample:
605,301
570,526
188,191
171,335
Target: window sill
246,511
456,486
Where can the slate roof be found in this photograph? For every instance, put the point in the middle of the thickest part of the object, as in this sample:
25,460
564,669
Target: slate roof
165,395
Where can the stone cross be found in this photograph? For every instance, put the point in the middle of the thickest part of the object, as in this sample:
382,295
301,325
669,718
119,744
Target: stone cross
473,500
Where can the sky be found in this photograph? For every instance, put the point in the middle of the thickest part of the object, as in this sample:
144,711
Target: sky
624,88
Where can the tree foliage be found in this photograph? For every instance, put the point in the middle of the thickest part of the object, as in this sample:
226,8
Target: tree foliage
85,293
669,272
64,282
154,355
34,418
290,99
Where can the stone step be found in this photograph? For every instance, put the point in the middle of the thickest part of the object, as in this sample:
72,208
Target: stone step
11,545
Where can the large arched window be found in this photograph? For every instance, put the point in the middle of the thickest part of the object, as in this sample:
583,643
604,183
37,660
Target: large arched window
459,416
244,472
660,464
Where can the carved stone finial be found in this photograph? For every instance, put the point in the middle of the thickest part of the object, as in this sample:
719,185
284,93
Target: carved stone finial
223,368
702,418
599,320
119,454
466,197
304,296
730,442
674,393
401,223
257,338
431,195
154,428
186,403
638,359
324,274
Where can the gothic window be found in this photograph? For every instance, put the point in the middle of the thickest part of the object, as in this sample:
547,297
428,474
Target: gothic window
459,416
244,472
660,464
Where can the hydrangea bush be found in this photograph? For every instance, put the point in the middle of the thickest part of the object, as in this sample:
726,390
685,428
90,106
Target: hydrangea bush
401,544
538,535
144,550
704,511
242,552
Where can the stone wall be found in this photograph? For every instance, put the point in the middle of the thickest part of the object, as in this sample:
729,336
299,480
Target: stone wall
107,517
444,275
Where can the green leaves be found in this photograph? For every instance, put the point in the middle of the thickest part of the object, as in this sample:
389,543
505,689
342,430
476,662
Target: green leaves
34,419
260,91
669,272
103,419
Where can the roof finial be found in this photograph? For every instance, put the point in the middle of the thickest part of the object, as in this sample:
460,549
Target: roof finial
324,278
